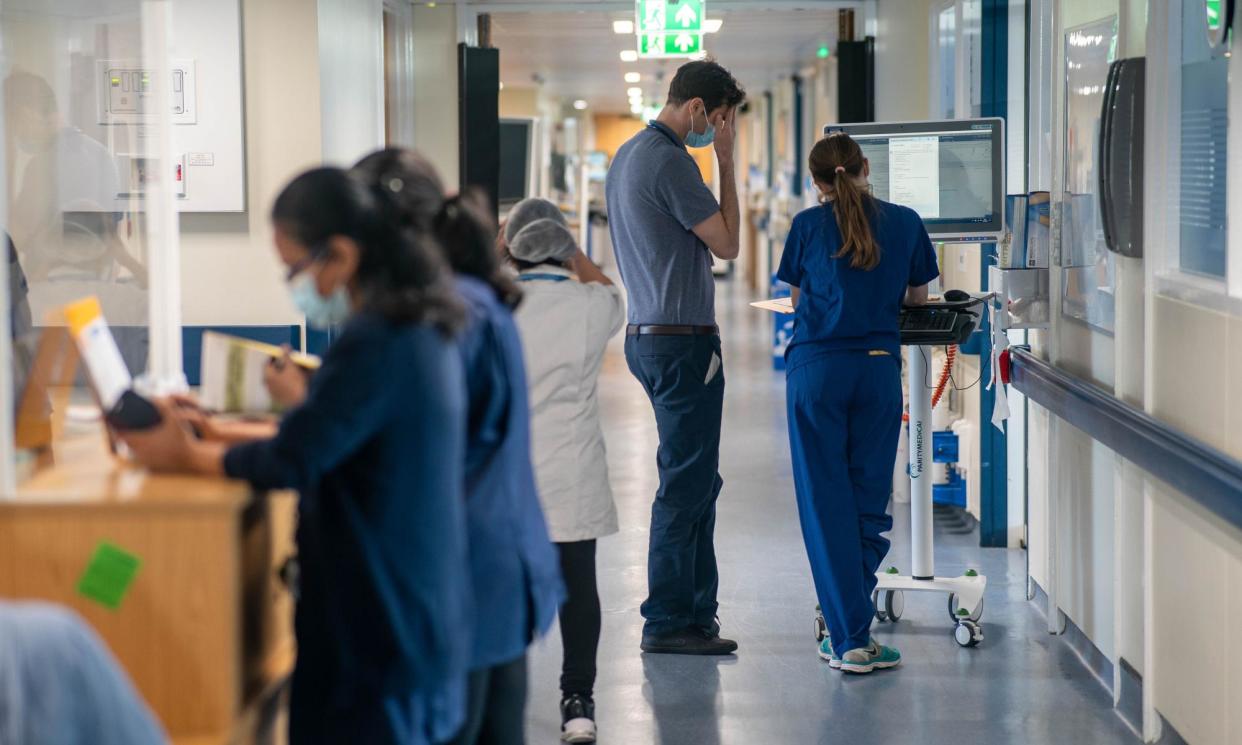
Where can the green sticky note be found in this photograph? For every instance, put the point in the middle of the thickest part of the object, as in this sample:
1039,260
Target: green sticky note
108,575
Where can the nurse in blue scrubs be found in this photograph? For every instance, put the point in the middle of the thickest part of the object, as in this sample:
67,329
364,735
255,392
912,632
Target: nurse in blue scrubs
376,452
514,568
852,261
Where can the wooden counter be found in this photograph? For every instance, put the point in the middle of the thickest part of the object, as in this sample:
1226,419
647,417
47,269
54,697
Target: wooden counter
205,631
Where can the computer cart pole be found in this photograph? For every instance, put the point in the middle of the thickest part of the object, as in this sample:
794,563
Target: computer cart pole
923,564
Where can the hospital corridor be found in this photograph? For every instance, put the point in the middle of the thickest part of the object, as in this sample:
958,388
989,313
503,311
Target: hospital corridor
634,372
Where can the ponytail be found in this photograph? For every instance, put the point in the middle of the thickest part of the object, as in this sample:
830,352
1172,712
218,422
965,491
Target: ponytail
837,162
461,226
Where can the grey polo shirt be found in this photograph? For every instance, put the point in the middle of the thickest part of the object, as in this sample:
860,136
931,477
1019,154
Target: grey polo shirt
656,195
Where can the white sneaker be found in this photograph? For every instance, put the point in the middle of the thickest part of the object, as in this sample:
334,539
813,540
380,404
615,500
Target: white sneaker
577,719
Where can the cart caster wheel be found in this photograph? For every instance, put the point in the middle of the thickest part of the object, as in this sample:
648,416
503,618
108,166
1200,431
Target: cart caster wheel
881,611
821,627
894,604
956,614
968,633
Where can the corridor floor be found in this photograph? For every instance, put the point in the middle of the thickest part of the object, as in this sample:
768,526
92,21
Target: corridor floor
1019,686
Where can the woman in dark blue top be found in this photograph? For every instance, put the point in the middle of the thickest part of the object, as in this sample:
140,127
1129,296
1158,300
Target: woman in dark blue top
513,565
383,619
852,262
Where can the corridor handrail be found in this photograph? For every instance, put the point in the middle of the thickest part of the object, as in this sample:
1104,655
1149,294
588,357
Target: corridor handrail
1201,472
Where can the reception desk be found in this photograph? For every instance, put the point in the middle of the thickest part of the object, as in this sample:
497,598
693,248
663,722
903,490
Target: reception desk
205,628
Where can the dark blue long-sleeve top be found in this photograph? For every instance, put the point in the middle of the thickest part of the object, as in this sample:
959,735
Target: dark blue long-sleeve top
376,453
513,565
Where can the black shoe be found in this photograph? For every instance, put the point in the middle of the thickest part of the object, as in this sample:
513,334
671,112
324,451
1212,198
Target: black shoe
577,719
694,640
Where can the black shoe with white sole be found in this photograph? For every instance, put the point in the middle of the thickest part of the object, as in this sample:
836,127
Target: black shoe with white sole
577,719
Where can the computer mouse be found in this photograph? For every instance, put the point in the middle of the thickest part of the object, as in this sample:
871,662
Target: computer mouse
956,296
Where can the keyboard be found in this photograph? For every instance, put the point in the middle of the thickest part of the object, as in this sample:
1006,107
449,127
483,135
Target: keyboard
935,324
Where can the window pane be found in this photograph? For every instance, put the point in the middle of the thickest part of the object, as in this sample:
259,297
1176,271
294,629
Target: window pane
1204,134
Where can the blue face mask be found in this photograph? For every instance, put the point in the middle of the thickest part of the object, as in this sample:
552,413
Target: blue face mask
321,312
695,139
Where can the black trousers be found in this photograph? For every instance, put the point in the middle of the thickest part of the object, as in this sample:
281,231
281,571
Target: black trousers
496,708
580,618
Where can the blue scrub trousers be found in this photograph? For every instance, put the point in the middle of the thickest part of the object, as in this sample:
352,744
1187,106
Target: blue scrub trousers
844,411
682,578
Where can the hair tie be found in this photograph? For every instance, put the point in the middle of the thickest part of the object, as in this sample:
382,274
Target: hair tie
840,169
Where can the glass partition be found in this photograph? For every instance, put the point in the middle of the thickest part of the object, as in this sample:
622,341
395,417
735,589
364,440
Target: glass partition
79,129
1088,269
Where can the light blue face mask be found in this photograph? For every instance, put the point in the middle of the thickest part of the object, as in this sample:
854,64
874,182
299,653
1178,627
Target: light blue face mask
321,312
695,139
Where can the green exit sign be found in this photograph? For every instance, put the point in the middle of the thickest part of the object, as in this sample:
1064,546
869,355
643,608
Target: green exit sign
669,28
670,45
669,16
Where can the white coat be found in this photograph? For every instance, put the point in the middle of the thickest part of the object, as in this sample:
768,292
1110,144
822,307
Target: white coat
565,327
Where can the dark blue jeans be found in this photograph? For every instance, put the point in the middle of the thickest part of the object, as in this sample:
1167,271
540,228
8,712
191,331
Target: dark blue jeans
686,389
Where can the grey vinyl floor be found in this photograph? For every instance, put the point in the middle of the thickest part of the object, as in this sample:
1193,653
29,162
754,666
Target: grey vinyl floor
1019,686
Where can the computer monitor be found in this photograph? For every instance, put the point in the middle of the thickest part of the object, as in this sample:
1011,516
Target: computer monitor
951,172
518,169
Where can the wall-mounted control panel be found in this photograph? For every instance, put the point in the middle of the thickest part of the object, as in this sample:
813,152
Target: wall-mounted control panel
124,91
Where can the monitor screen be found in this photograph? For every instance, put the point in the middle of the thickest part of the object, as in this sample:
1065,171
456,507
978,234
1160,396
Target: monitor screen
516,138
950,172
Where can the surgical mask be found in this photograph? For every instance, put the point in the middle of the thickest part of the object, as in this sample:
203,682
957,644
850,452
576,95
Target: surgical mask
321,312
695,139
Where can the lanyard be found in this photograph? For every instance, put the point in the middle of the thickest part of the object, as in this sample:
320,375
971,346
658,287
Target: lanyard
550,277
664,130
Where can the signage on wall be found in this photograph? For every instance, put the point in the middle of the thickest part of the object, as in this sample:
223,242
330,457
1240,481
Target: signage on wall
669,28
1219,19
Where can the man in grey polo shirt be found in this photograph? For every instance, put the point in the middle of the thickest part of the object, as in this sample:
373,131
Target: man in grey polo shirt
666,225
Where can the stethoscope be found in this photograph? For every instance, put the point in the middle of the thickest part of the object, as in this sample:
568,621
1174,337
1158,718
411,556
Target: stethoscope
664,130
535,275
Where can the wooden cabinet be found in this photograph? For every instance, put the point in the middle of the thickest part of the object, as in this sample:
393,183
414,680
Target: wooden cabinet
205,630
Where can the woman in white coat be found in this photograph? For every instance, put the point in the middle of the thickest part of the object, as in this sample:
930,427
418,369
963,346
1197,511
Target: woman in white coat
569,311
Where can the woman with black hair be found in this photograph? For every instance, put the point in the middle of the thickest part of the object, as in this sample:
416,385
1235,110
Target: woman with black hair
376,452
513,566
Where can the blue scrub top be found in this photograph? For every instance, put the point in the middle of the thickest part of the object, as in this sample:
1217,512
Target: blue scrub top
376,454
843,308
513,565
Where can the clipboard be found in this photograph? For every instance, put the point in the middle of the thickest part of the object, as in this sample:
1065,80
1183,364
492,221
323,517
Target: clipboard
782,305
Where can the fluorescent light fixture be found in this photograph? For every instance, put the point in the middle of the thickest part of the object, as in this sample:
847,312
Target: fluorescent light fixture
712,25
635,91
633,77
629,55
580,105
623,27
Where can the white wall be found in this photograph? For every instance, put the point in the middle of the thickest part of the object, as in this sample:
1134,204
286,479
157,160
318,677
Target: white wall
901,60
230,274
435,89
351,78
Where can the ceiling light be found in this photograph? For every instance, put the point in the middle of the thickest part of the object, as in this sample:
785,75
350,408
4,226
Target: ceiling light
636,91
633,77
580,105
636,109
712,25
623,27
629,55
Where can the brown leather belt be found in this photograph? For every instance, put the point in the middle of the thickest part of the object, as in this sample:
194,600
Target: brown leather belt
658,330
